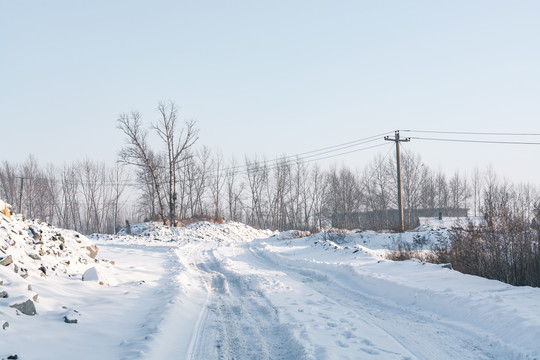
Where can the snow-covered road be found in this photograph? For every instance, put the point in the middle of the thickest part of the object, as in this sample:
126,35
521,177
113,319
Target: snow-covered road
235,293
232,292
261,306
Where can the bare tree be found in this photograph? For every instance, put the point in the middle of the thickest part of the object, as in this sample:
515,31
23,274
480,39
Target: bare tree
459,191
8,183
257,176
477,184
97,195
318,196
138,153
177,146
117,180
378,184
344,196
234,192
278,195
428,190
411,176
442,190
217,181
69,179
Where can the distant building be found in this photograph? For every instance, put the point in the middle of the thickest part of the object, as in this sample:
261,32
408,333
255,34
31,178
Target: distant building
389,219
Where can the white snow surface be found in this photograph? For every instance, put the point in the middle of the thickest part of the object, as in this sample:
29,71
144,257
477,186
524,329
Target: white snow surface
228,291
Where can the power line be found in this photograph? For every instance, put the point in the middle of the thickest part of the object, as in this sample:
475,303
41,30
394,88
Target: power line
317,152
477,141
303,161
473,133
305,157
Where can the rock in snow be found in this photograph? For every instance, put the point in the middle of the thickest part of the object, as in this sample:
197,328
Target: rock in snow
72,317
27,307
91,275
6,261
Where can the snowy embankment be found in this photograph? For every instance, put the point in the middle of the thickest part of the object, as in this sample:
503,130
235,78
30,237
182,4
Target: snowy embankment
496,320
210,291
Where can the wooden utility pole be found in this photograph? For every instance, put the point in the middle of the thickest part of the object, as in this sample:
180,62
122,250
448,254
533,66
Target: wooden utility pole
397,140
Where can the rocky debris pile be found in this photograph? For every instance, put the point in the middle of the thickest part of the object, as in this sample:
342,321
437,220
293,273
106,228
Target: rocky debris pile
32,250
35,248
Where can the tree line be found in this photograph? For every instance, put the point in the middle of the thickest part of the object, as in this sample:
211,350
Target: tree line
86,196
177,180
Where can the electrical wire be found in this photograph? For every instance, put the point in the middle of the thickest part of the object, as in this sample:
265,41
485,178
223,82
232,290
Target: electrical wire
476,141
305,157
318,152
473,133
303,161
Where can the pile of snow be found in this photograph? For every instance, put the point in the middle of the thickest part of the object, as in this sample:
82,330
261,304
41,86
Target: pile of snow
155,234
375,243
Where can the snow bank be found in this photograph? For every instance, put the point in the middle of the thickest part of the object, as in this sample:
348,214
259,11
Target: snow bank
154,234
507,317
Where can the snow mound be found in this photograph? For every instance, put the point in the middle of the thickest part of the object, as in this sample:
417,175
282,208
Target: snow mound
160,235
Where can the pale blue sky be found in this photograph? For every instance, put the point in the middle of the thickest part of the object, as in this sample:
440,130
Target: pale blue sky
272,77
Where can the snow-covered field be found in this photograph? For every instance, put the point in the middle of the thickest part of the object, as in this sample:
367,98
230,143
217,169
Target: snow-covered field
229,291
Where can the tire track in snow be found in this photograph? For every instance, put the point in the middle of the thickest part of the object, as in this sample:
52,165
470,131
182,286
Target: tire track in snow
240,323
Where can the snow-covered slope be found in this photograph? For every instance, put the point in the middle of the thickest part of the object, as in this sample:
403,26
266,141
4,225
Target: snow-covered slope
463,316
